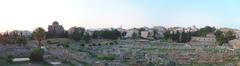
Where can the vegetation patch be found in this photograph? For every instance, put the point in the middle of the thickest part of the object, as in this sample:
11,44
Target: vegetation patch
37,54
108,58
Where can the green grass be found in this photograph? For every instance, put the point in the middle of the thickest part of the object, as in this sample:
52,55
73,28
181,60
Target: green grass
108,58
180,50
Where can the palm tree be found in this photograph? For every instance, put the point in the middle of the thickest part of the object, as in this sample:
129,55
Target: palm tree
39,35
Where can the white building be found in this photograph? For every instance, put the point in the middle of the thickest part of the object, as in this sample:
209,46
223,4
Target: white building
146,34
130,33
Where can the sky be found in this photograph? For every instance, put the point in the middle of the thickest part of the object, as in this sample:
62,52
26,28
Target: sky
29,14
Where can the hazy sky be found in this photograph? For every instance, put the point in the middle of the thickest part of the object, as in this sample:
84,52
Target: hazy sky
29,14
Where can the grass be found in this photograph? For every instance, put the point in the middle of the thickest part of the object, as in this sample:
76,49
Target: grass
108,58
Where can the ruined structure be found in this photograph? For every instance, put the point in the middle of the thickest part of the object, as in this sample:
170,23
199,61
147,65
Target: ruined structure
55,30
208,41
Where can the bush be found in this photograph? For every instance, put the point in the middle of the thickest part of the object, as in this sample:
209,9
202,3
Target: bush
8,58
106,43
99,44
109,58
111,43
21,41
52,42
65,45
83,45
37,54
115,42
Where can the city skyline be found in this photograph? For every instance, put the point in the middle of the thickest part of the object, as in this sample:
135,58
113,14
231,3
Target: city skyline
29,14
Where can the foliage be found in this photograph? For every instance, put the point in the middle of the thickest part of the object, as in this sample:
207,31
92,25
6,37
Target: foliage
83,45
175,36
37,54
63,45
21,41
52,42
134,35
123,34
224,37
8,58
171,63
109,58
111,43
220,37
107,34
167,35
77,33
230,35
87,37
13,37
39,35
183,37
207,29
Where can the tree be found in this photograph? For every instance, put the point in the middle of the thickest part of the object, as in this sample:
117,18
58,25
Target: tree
156,35
220,37
229,35
134,35
207,29
167,35
77,33
224,37
176,36
39,35
107,34
21,41
123,34
87,37
37,54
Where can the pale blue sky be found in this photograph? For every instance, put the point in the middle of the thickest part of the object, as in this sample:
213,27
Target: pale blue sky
29,14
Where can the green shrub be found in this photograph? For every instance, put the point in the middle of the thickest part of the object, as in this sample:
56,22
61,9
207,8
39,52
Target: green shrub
83,45
65,45
37,54
21,41
111,43
99,44
52,42
109,58
106,43
8,58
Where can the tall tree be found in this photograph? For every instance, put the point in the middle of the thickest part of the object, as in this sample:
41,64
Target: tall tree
167,35
134,35
230,35
39,35
77,34
207,29
87,37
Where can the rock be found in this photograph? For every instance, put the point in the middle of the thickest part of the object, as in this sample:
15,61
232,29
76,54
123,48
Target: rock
20,59
235,44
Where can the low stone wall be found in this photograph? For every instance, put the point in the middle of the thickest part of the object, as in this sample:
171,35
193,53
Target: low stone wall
15,51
